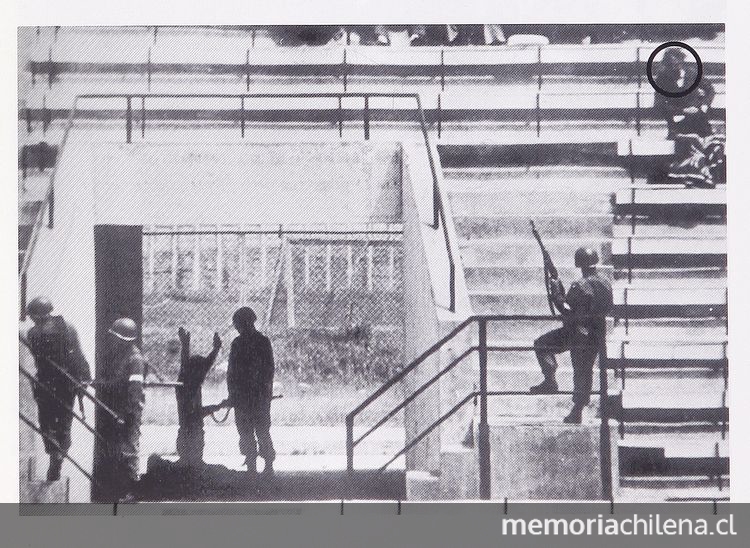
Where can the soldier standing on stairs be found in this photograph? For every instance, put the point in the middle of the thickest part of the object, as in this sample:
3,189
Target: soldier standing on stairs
583,309
54,343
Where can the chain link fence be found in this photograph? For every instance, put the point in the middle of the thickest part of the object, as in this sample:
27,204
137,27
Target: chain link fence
330,298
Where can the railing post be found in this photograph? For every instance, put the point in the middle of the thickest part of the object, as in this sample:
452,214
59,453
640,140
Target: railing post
366,115
605,457
483,438
341,119
538,116
242,117
247,69
143,117
23,296
51,206
148,70
129,120
638,113
439,116
452,287
539,66
344,70
442,70
350,443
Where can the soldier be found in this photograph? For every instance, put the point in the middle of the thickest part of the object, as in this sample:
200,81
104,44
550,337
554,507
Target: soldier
583,310
250,384
54,343
193,370
122,385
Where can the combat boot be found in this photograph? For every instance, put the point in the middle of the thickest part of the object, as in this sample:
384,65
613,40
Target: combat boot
55,466
268,472
575,416
547,386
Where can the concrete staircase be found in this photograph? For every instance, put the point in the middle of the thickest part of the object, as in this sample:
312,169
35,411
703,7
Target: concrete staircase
673,435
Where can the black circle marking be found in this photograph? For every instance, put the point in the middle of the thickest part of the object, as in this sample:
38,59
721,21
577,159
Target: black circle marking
650,65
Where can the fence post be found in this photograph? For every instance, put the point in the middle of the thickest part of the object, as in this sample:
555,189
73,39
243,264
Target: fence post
173,259
605,457
219,274
349,444
286,245
483,441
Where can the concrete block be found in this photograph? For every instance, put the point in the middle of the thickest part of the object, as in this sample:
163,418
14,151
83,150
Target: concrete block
37,492
422,485
459,473
540,459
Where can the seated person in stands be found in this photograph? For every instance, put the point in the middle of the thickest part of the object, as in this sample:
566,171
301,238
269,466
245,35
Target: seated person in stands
317,35
417,34
688,114
699,154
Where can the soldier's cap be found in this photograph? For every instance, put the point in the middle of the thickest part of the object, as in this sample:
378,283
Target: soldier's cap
244,316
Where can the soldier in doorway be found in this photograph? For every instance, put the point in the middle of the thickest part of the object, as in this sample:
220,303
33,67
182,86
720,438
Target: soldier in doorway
57,351
583,310
190,411
122,386
250,385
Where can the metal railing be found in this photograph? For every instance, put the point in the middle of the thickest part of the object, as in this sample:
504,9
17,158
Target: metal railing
438,211
80,386
430,61
483,393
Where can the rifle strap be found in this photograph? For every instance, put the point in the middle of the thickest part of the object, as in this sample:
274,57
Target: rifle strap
224,419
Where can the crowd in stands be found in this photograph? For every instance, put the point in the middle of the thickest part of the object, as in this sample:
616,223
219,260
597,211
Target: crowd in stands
477,35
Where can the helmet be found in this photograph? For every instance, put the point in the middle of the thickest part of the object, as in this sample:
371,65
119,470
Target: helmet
39,306
125,329
244,316
586,256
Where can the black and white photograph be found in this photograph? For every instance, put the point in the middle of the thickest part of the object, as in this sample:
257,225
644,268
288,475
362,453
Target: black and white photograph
373,262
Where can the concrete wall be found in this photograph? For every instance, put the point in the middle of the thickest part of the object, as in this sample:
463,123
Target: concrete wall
349,182
106,183
426,299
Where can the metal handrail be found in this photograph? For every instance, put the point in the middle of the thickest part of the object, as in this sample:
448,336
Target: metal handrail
78,384
439,216
51,440
482,348
36,382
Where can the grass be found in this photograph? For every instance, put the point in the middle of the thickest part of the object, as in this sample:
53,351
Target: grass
303,404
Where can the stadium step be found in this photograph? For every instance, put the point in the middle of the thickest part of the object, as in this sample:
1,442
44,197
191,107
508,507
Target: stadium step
676,444
525,251
669,252
517,225
515,198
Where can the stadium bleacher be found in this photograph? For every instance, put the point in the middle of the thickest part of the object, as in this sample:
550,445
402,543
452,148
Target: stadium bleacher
563,134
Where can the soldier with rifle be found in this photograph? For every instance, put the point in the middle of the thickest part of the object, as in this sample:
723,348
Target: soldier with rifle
583,309
59,364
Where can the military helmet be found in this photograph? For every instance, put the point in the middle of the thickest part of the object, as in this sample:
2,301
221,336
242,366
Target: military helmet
586,256
124,329
244,316
39,306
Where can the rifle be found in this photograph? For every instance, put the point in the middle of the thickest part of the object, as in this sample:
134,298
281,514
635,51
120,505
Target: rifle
226,404
550,271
